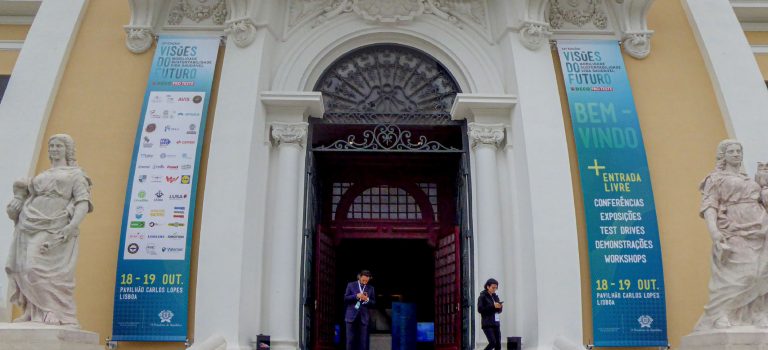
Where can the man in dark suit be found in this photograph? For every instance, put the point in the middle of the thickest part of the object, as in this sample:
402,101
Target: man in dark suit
358,298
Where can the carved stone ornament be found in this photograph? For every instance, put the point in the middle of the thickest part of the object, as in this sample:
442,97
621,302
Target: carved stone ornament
637,45
457,12
289,133
138,39
485,134
242,31
577,13
534,34
199,11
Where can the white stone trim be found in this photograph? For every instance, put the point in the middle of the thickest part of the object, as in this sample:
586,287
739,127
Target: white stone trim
17,20
735,75
465,58
11,45
29,98
760,49
234,218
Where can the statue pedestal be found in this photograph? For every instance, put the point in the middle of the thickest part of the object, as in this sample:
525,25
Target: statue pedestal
736,338
25,336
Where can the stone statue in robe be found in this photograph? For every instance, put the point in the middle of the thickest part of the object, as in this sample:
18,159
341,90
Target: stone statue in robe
47,211
738,224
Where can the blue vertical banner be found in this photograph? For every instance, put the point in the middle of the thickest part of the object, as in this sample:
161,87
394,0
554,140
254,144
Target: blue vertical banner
152,284
627,277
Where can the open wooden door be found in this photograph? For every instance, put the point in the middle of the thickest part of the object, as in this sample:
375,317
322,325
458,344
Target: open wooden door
448,292
325,293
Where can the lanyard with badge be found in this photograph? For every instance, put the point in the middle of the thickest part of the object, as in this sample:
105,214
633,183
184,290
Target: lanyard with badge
362,290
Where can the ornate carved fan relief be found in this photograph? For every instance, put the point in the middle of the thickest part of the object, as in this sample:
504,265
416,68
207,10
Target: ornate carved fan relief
387,79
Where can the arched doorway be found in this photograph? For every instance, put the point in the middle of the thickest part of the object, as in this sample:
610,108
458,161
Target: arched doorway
387,190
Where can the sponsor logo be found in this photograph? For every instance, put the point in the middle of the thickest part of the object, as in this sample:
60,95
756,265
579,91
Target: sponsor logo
186,156
156,99
147,143
167,155
143,167
186,167
133,248
139,212
177,197
153,114
183,99
147,155
164,142
137,224
141,197
192,129
176,224
159,196
153,224
185,142
136,235
156,179
169,98
172,167
158,166
197,99
157,212
172,250
645,321
142,178
171,179
176,236
150,127
150,248
185,179
170,128
178,212
166,315
155,236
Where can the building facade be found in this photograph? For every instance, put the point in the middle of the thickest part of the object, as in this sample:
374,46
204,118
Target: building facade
283,217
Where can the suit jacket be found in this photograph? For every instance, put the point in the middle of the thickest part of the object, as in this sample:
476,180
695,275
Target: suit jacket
350,299
487,311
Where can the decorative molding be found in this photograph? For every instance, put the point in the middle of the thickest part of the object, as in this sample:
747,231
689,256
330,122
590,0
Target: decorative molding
534,35
577,13
632,20
387,138
138,39
478,106
387,79
242,31
139,33
473,13
289,133
11,45
637,45
200,12
485,134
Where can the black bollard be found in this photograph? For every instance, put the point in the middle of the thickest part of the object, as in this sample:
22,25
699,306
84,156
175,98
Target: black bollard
514,343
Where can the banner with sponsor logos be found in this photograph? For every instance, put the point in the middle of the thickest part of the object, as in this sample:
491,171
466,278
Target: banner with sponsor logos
628,297
152,284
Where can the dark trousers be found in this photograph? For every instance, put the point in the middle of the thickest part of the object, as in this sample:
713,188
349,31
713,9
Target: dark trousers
357,335
494,337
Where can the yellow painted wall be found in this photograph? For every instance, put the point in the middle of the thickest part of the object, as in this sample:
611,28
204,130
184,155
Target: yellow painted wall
99,104
760,38
681,125
8,57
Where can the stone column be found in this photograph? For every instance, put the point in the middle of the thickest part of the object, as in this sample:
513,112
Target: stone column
289,140
485,140
736,78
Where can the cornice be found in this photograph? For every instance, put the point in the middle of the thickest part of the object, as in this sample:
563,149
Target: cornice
232,18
